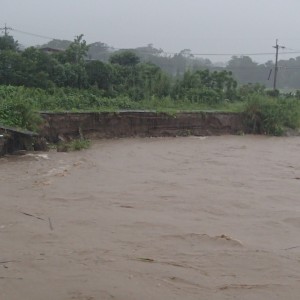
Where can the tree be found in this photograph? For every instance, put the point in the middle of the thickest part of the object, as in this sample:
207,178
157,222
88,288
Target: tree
99,51
7,42
74,58
204,86
36,68
100,74
57,44
10,62
77,50
245,70
125,58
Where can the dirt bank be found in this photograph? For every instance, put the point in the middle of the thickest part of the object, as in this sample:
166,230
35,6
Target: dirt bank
162,218
140,123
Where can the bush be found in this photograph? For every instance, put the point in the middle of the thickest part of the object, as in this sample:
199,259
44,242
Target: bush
16,112
74,145
270,115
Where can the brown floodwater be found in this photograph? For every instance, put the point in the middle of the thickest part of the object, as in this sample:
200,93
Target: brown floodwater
161,218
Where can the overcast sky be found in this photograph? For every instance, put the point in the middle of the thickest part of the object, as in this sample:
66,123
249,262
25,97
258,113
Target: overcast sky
211,26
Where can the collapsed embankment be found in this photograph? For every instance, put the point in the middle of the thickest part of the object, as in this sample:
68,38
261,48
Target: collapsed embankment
139,123
15,139
60,126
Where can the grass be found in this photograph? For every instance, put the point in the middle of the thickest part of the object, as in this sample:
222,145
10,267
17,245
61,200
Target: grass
19,107
266,115
67,99
73,145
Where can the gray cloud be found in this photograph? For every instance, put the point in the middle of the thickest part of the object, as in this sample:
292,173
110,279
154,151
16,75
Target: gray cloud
215,26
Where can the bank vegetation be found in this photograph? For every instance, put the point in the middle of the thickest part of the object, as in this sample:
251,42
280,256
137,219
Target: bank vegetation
33,81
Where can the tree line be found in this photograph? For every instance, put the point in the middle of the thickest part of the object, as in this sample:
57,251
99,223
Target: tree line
138,73
123,74
243,68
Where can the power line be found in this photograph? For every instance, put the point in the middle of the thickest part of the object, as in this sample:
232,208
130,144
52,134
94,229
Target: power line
237,54
34,34
288,67
164,52
216,54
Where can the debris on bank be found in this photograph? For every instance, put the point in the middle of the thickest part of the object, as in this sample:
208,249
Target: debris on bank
14,140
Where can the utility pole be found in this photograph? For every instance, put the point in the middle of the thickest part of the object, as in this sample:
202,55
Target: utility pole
5,28
277,47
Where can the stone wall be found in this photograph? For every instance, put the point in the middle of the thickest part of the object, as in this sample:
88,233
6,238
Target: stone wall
130,124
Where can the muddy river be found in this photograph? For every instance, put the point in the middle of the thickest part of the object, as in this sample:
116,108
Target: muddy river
164,218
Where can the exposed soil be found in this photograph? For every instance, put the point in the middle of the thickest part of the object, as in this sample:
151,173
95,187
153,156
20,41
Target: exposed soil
139,124
162,218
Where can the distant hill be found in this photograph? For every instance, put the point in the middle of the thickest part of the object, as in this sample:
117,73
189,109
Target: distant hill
100,51
57,44
173,64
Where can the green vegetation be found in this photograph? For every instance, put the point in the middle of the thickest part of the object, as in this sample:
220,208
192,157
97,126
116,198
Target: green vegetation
17,110
73,145
244,69
71,99
263,114
125,75
32,81
271,116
